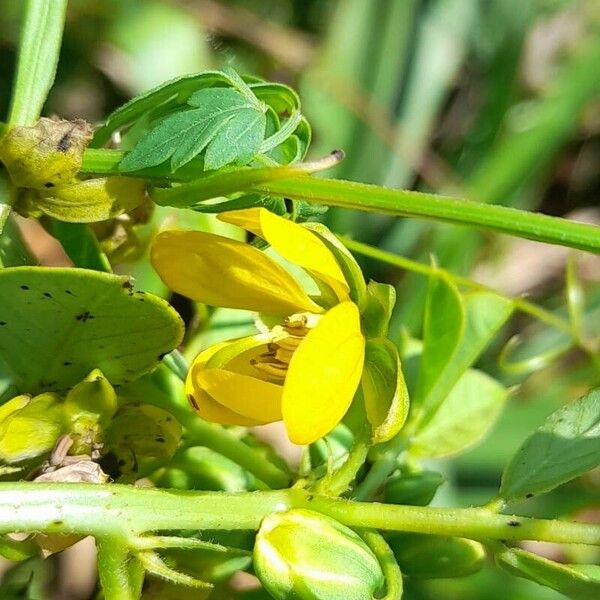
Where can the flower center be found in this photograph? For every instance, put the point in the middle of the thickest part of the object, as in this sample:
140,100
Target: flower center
286,338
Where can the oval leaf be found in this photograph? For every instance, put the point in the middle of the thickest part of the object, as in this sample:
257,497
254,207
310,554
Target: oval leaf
57,325
463,419
564,447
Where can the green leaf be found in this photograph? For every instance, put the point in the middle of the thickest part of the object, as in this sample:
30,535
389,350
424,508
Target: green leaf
384,389
452,346
13,249
225,124
566,579
80,244
176,91
56,325
564,447
442,332
467,414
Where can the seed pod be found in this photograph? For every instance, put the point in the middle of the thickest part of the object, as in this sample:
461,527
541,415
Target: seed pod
435,556
416,489
304,555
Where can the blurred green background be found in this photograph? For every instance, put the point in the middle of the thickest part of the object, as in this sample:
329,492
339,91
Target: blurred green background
491,100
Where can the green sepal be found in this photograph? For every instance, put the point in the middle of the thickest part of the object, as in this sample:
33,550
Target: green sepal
91,200
141,431
425,556
381,298
89,406
384,389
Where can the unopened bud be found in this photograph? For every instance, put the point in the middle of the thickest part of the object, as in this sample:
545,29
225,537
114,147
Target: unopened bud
305,555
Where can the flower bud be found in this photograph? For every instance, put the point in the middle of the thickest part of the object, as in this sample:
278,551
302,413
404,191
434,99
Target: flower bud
305,555
436,556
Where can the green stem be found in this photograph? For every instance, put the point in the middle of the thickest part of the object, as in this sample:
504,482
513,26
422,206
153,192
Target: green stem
41,36
120,577
285,181
381,468
119,512
535,311
387,560
404,203
416,267
338,482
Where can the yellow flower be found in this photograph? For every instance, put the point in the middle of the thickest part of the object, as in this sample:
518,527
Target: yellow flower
306,368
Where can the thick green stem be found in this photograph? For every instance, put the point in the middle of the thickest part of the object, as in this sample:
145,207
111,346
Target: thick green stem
120,575
41,36
120,512
281,181
403,203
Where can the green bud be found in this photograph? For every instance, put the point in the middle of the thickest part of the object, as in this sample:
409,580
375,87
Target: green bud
435,556
29,427
303,555
416,489
142,431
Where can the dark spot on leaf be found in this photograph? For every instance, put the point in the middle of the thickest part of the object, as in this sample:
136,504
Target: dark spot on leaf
192,401
69,292
160,439
2,323
168,420
24,287
514,524
48,184
141,299
529,496
57,523
309,498
84,316
47,295
67,363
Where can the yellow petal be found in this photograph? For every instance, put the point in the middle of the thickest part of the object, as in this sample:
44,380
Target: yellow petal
244,395
323,375
294,243
206,406
222,272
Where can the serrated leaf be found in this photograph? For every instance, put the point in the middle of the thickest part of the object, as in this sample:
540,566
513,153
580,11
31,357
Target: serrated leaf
566,579
463,419
564,447
56,325
224,123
